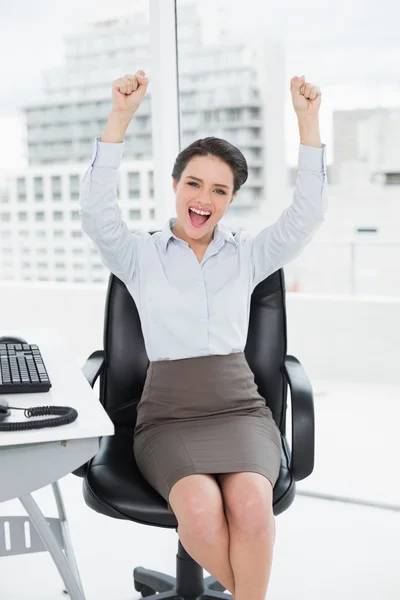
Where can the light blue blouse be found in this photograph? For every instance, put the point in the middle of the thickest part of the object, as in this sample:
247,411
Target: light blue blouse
188,308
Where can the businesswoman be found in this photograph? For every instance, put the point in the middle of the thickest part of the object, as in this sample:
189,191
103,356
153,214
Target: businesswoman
204,438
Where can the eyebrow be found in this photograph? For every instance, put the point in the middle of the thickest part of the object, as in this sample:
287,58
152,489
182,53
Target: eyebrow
201,181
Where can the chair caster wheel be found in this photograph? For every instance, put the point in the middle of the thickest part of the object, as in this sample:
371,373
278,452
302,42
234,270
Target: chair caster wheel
143,589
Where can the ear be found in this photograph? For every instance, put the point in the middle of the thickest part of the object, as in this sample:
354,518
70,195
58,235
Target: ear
174,185
233,197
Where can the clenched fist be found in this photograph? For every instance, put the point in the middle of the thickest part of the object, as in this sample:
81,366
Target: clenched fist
128,92
306,97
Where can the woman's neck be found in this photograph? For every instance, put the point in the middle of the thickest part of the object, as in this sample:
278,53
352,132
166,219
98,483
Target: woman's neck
199,244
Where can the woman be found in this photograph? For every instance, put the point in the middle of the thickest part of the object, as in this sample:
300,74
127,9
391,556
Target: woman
204,438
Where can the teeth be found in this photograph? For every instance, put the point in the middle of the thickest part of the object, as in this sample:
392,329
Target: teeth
200,212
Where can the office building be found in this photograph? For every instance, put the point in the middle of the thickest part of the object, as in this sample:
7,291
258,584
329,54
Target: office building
223,92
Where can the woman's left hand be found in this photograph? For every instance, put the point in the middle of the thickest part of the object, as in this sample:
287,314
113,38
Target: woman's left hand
306,97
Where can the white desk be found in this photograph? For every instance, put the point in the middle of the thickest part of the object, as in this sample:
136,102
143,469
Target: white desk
32,459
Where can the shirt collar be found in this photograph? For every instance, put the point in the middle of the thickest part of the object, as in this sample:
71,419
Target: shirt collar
221,234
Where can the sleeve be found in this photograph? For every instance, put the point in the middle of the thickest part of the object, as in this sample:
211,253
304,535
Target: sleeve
284,240
100,214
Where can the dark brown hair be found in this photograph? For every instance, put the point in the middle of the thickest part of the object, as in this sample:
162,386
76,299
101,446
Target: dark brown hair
215,147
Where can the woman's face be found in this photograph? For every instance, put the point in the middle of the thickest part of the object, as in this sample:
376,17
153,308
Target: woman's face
206,184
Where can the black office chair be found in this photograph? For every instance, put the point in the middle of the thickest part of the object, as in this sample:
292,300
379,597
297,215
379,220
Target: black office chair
114,486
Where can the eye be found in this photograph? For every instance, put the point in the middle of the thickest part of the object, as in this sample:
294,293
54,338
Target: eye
194,183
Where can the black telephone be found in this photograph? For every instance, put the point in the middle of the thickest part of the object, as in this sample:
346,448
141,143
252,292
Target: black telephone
67,413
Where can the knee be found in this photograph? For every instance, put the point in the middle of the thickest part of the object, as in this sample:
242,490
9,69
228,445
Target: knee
199,509
204,521
250,512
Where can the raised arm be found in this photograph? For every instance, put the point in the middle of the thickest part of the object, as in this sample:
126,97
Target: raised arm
100,214
284,240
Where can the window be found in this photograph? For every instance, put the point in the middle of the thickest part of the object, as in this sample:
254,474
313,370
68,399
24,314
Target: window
135,215
51,147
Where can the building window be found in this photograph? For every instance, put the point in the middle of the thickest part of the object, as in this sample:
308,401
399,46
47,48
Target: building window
21,184
58,215
38,184
58,233
6,217
134,179
39,216
56,184
75,215
22,216
135,215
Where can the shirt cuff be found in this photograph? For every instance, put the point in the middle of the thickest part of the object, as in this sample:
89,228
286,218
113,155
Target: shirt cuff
107,154
312,159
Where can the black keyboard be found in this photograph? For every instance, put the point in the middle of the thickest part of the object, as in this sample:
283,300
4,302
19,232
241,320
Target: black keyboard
22,369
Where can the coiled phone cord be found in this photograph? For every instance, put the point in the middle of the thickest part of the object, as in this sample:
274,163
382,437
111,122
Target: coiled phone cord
68,415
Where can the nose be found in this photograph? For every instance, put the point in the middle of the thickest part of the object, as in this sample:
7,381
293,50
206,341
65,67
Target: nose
205,199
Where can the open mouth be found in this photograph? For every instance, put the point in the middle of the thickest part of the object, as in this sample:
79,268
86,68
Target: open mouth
198,218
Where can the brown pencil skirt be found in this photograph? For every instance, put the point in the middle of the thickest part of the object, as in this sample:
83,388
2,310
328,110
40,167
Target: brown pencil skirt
203,415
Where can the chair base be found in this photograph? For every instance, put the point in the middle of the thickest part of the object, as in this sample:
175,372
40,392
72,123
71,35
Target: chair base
188,584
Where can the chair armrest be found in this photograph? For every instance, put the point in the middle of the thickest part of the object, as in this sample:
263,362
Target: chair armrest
93,366
303,423
91,370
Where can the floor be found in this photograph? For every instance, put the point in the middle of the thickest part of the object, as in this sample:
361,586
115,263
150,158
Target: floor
325,549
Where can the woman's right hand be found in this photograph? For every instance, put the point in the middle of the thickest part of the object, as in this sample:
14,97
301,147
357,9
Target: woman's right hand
128,92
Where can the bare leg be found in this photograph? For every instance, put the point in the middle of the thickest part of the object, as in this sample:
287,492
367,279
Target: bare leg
197,503
248,505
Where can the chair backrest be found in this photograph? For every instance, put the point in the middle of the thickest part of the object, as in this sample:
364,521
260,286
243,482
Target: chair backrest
126,361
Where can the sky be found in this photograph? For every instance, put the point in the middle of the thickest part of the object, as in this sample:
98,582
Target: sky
350,48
